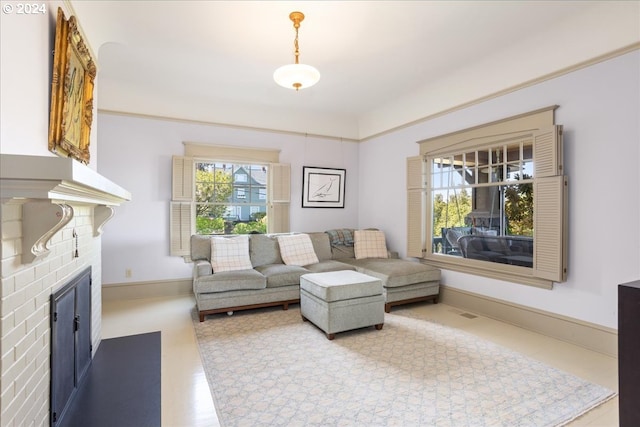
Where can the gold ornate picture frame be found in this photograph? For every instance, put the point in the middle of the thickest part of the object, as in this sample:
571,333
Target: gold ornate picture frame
72,83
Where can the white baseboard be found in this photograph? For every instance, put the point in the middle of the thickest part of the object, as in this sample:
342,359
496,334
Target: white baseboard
588,335
154,289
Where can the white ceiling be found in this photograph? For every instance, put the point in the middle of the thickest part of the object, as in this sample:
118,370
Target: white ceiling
383,63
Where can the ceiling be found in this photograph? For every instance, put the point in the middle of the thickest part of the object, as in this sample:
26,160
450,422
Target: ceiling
213,61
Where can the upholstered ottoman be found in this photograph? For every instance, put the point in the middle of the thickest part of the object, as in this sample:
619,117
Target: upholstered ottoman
339,301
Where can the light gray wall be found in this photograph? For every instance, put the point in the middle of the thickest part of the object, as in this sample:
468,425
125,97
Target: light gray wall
600,111
136,152
599,108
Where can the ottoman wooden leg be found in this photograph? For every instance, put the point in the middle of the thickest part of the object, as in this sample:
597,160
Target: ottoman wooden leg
379,326
331,336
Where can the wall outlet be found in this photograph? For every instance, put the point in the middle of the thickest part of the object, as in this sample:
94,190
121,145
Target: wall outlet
127,272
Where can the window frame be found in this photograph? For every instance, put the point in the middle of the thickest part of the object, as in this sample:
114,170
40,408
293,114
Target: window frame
548,171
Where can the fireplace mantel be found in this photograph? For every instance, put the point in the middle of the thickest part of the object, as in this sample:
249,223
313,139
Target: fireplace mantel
48,187
57,179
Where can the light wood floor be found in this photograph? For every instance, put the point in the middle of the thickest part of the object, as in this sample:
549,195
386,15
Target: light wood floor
186,400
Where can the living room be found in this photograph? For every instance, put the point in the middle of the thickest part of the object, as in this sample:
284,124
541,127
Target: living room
591,73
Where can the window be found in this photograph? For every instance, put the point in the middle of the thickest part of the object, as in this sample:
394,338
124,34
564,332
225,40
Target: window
485,195
225,204
242,190
491,201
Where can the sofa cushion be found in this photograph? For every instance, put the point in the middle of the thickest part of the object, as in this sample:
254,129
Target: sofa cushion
230,281
396,272
453,235
200,247
264,249
281,274
297,249
329,265
230,253
341,252
321,245
370,244
202,268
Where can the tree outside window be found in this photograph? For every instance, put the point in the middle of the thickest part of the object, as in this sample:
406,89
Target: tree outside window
228,198
482,192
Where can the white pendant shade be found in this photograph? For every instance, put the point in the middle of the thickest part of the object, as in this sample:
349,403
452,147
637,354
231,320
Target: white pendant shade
296,76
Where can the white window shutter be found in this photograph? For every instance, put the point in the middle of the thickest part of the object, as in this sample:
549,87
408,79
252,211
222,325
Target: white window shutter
280,183
182,178
547,146
550,207
279,198
550,228
415,174
415,217
278,218
415,207
182,210
182,220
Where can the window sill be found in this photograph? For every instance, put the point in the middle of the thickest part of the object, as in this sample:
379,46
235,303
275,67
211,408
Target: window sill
507,273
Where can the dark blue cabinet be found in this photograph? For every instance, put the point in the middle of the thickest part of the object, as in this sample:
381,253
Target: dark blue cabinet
70,342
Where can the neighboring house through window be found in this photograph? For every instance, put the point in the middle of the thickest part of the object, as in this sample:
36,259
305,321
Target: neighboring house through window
227,195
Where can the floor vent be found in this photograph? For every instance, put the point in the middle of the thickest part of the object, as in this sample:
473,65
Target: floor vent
468,315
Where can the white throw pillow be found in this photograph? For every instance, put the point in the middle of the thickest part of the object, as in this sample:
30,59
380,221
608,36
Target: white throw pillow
230,253
479,231
297,249
370,244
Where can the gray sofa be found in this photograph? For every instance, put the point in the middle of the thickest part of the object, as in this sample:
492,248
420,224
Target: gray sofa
273,283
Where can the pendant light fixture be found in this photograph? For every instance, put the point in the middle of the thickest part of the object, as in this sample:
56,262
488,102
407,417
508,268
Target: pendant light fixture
296,76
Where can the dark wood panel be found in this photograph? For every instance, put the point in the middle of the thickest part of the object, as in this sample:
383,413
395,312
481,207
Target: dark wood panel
629,353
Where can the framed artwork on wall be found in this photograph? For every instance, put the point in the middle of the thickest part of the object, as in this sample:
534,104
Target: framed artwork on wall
72,83
323,187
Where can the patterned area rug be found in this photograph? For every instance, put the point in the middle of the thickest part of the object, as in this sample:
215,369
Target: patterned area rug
269,368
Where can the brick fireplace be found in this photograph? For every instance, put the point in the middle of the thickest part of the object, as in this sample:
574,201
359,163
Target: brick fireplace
52,213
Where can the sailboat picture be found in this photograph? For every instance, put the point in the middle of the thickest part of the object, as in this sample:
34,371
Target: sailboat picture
323,187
